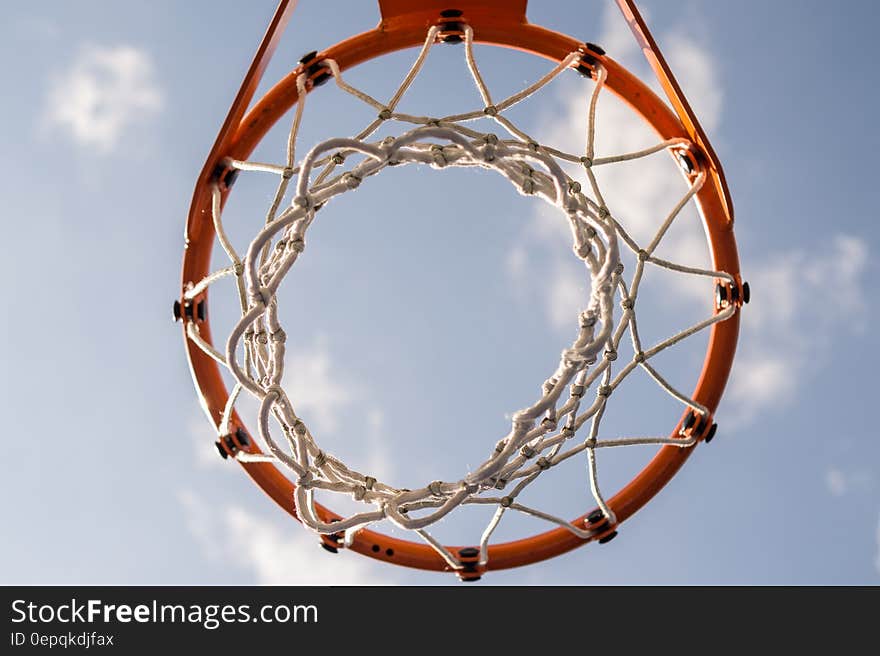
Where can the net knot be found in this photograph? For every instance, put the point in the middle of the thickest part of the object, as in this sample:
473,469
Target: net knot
604,391
435,489
587,162
303,202
604,212
528,184
261,297
490,110
389,151
287,173
297,245
528,452
385,114
588,319
438,155
337,158
574,186
506,502
351,180
627,304
276,391
490,142
543,463
305,481
639,357
583,250
320,459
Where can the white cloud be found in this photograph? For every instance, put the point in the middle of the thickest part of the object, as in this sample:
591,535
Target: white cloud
803,302
203,436
695,70
313,383
294,556
568,294
275,552
516,263
639,195
835,481
104,93
800,283
379,461
314,388
201,523
760,382
691,62
840,482
326,398
803,299
323,395
617,37
282,551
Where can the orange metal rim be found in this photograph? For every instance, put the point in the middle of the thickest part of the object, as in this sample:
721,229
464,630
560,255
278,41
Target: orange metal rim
505,27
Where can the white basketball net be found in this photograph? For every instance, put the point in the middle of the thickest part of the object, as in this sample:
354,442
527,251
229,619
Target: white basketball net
541,435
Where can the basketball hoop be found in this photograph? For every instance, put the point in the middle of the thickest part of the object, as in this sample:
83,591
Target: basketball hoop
563,422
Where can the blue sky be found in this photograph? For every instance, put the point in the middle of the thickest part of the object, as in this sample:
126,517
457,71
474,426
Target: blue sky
426,327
